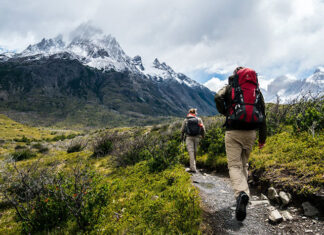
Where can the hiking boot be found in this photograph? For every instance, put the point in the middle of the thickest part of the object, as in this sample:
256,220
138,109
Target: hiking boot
241,203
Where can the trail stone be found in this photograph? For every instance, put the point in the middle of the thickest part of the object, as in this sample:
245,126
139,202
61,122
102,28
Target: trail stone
256,203
275,216
272,193
286,215
263,197
284,198
309,210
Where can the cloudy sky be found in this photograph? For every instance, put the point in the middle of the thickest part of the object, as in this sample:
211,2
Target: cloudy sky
201,38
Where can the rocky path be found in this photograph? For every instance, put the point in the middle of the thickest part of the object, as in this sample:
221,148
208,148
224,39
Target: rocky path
218,206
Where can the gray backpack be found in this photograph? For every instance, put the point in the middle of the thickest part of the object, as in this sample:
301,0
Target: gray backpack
192,128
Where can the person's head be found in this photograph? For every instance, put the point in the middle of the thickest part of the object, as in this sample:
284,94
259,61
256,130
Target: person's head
237,69
192,111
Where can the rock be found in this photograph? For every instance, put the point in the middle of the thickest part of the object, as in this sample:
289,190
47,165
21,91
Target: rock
308,231
272,193
275,217
286,215
271,208
255,198
309,210
256,203
187,169
263,197
284,198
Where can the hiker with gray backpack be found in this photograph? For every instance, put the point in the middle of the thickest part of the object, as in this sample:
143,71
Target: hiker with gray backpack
191,131
242,103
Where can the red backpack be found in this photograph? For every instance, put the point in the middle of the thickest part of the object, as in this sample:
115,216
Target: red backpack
246,98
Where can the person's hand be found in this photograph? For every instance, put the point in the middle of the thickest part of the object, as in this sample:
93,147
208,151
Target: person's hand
261,145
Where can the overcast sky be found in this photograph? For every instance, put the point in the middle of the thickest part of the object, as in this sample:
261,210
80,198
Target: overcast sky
201,38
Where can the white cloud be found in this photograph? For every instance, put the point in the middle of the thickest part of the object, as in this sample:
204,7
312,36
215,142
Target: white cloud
273,37
215,84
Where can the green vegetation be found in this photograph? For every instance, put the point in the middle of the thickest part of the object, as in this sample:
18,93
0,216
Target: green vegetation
130,179
292,161
135,186
23,154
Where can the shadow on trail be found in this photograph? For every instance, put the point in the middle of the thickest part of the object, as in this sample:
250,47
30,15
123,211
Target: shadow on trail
222,221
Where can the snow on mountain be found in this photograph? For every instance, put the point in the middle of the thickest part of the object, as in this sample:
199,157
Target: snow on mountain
286,87
92,48
46,47
162,71
289,88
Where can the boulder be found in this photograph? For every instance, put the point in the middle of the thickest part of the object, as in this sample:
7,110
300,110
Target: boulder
286,215
275,216
284,197
309,210
272,193
263,197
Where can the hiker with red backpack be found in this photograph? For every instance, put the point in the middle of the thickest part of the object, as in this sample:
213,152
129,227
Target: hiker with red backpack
242,103
191,131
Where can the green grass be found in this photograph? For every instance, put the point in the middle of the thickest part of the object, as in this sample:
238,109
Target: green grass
292,161
146,203
140,201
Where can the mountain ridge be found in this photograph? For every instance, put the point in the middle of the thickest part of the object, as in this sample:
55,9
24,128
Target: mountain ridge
94,82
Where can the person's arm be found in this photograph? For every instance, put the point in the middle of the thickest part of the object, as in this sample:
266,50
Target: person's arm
263,127
183,129
220,99
202,127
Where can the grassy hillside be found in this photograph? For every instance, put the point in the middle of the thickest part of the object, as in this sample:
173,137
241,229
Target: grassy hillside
122,180
293,161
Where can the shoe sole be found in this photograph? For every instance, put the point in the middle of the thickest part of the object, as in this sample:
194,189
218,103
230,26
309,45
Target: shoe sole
241,210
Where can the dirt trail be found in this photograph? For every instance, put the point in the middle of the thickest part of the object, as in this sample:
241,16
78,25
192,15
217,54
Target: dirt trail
218,204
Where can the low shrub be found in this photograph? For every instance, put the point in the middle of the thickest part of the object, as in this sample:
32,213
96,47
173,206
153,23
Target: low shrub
22,154
41,148
45,198
76,146
103,145
214,141
23,139
164,155
18,147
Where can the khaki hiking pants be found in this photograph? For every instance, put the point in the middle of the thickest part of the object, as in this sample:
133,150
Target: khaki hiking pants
192,145
239,145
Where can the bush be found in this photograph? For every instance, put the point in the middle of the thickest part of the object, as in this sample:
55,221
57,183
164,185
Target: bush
76,146
135,150
214,142
103,145
19,147
23,139
164,155
41,148
45,198
22,154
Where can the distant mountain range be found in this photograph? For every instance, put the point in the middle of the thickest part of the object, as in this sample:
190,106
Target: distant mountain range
286,87
90,80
